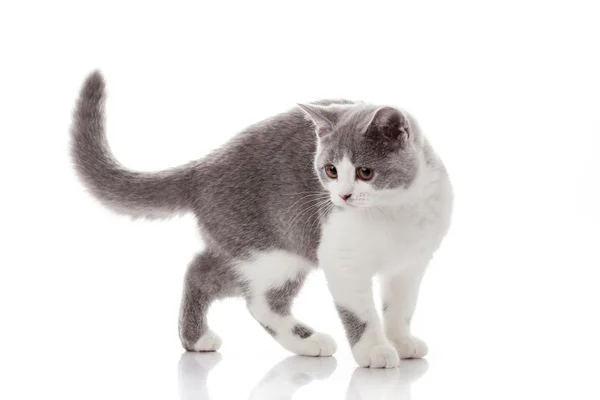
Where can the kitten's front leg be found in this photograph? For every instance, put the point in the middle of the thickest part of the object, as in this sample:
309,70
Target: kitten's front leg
353,296
400,294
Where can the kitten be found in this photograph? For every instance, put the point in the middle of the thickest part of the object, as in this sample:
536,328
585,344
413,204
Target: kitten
376,201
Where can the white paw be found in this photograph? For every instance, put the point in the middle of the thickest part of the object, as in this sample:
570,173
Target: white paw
378,356
317,344
410,347
208,342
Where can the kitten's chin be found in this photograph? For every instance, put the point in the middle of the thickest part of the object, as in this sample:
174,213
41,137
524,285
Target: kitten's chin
343,204
353,206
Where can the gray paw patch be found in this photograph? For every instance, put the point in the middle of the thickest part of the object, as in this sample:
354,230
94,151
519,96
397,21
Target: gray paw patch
302,331
353,325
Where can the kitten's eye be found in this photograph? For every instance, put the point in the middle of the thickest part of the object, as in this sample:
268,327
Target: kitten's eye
364,174
331,171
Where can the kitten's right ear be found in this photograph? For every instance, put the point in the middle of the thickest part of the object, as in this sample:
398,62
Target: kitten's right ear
323,118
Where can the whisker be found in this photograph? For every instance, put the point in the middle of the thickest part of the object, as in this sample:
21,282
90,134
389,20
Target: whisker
322,216
312,214
318,204
318,213
310,198
294,194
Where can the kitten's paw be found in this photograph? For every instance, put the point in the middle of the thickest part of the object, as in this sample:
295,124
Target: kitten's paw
208,342
410,347
316,345
379,356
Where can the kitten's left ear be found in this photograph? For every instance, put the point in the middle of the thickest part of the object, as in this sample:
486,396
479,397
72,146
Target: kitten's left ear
391,125
323,117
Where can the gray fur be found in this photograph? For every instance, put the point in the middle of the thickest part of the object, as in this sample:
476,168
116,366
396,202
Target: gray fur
209,277
280,299
123,190
302,331
353,325
259,192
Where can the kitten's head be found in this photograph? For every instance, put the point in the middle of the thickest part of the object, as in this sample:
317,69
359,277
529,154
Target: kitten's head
367,156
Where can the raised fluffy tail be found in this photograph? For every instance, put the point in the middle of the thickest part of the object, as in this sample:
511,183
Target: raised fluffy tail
138,194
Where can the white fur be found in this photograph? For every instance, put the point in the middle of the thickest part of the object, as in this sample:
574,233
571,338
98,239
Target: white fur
394,234
272,270
208,342
400,293
409,347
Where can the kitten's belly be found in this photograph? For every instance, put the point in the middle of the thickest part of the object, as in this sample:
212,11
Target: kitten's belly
394,241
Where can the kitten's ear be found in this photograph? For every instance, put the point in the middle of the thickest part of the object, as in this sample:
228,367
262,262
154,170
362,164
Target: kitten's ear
323,118
391,125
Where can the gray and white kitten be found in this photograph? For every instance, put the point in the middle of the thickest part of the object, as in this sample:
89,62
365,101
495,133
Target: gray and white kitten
353,187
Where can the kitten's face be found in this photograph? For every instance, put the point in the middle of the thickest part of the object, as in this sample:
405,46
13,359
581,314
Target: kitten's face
366,157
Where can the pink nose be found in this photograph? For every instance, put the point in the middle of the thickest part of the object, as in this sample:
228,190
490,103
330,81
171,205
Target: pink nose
345,196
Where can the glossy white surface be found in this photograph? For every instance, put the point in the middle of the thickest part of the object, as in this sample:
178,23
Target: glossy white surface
507,93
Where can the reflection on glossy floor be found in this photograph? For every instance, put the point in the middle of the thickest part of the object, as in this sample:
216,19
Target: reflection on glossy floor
286,377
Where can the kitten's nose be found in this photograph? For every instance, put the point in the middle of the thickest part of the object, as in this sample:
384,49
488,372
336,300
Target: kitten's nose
345,196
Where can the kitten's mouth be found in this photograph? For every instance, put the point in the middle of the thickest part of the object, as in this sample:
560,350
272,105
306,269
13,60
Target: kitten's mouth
343,203
347,205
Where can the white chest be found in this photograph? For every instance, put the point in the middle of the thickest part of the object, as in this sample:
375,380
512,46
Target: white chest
379,240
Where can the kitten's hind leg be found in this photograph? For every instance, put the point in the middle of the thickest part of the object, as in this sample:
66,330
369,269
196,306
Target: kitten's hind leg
209,277
273,281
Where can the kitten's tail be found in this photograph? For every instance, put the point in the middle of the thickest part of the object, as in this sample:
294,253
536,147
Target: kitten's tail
138,194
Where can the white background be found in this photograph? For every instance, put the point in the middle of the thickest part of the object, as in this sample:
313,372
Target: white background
507,91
